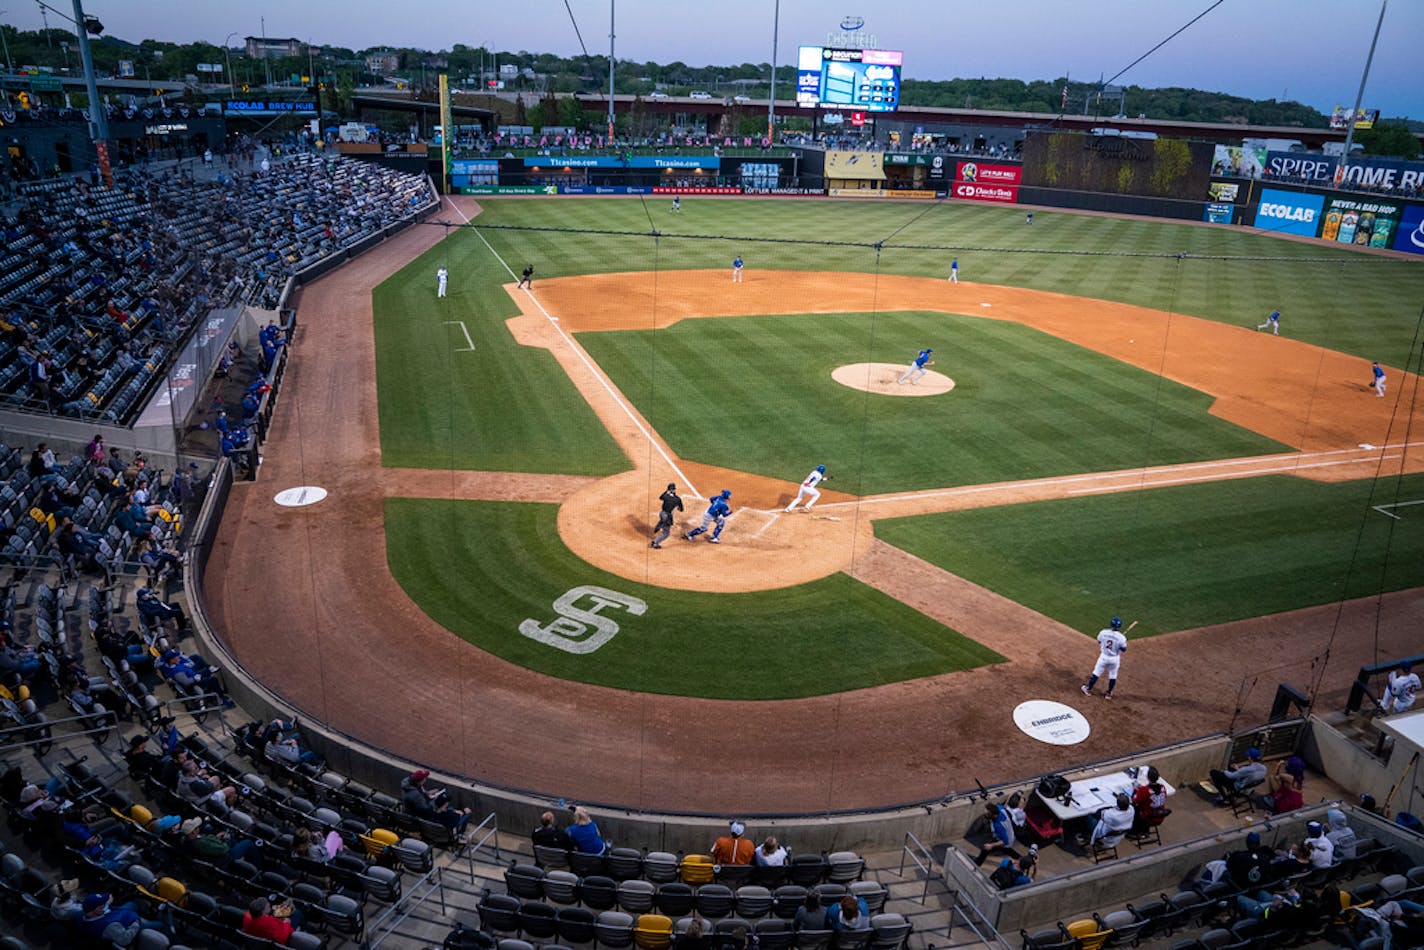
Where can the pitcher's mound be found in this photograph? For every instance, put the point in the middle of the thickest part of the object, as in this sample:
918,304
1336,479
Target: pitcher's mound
883,378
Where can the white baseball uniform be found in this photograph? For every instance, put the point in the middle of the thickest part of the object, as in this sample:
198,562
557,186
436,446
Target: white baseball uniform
1403,688
808,490
442,274
1111,644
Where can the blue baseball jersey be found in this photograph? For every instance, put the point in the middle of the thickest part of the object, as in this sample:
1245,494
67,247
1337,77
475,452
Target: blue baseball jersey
923,358
719,508
737,263
1378,371
1275,316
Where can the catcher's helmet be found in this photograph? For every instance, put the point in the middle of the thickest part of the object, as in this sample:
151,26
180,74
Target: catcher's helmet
821,469
726,493
1116,623
672,486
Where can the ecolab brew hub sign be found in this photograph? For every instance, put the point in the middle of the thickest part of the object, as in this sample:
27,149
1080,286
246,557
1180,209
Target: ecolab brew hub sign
1289,212
977,181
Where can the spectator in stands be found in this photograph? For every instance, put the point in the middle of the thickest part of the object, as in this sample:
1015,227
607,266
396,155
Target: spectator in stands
142,761
770,854
94,451
159,561
1283,787
1001,827
104,842
1319,849
1017,815
1150,802
282,744
40,377
1251,866
159,611
119,925
1341,835
811,915
16,661
432,804
214,848
42,462
1113,823
264,920
1011,873
1282,910
851,913
65,904
1405,921
1242,778
585,833
73,543
306,845
550,835
732,848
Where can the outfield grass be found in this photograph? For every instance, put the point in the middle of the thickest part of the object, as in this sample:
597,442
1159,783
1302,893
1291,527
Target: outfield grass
1025,404
1182,557
505,407
500,407
481,568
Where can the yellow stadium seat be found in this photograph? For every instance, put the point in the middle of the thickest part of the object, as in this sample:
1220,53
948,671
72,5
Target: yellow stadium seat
652,932
378,841
696,869
171,891
1088,935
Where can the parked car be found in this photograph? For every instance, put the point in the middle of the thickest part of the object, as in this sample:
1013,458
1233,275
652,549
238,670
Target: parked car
655,94
741,98
700,94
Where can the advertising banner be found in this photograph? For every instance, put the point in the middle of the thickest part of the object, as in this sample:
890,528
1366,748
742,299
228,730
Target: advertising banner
1411,231
613,161
668,190
1217,213
1299,165
1382,174
937,169
972,191
901,193
982,174
1230,161
605,189
1364,223
1222,191
510,190
790,192
1112,164
1289,212
901,158
855,165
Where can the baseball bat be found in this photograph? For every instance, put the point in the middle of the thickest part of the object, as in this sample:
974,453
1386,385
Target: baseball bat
1389,799
1131,625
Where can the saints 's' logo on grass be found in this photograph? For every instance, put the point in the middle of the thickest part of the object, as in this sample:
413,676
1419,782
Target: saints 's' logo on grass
570,632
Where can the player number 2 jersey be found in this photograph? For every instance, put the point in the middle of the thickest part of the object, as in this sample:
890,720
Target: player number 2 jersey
1112,643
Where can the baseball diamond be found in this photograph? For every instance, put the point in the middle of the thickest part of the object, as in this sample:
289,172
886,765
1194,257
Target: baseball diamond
1117,440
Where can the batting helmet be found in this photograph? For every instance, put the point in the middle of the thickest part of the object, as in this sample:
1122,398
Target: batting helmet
672,486
1116,623
821,469
726,493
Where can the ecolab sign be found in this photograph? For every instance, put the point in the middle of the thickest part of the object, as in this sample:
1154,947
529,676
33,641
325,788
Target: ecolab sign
1288,212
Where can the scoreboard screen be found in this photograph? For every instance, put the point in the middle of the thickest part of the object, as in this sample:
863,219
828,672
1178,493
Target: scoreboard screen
859,80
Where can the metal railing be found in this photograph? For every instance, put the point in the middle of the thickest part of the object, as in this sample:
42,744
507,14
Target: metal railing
50,738
433,884
984,932
474,843
913,849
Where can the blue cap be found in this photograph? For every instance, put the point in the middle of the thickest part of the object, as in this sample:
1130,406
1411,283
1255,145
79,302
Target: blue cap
1253,840
726,493
1253,753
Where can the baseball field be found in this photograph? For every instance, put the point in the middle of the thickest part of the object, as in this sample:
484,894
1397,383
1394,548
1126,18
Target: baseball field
1111,434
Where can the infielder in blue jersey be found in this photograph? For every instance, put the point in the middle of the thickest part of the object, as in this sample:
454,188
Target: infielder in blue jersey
737,266
918,366
1273,323
718,512
1377,378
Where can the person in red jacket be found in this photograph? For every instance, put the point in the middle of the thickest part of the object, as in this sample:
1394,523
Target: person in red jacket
271,923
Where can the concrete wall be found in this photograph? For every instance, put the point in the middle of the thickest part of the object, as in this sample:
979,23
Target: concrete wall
1356,768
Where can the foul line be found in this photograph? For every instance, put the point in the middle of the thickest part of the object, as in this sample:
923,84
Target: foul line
1223,476
1397,504
578,351
461,324
1288,462
771,519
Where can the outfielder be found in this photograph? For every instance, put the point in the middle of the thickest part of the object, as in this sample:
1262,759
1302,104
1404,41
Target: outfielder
1403,687
441,275
918,365
1112,644
676,204
954,271
808,488
526,278
1273,323
671,502
717,513
1377,380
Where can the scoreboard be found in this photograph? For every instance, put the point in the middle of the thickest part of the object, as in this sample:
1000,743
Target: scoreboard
860,80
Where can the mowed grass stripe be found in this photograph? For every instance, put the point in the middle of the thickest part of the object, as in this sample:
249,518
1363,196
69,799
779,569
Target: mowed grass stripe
481,568
756,394
502,407
1185,556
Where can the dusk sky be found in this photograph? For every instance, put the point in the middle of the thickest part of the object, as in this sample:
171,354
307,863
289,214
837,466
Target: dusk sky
1308,50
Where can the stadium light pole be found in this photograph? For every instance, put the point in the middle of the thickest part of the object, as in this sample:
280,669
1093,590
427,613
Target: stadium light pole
1359,97
771,98
227,54
9,66
610,70
98,121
